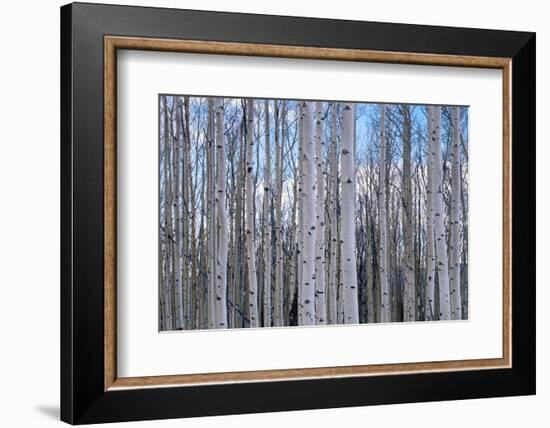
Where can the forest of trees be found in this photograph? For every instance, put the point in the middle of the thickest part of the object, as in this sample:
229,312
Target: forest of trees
292,212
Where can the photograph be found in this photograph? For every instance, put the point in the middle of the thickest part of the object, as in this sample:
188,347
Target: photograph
291,212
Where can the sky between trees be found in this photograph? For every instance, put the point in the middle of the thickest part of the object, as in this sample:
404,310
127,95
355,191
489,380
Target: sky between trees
296,213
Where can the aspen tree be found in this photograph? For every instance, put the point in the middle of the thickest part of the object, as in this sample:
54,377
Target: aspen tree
383,245
348,246
409,295
166,301
279,149
250,218
267,220
333,207
454,267
309,215
320,263
442,260
178,238
189,248
430,311
222,230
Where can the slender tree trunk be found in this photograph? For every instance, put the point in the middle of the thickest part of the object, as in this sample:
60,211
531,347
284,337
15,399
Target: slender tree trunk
267,221
371,300
430,244
333,206
240,216
211,168
187,212
293,260
442,260
454,268
409,295
222,235
189,220
250,217
279,147
320,263
464,254
348,246
178,237
166,301
300,220
307,295
383,260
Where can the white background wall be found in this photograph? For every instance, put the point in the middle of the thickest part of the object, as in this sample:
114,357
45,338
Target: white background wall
29,213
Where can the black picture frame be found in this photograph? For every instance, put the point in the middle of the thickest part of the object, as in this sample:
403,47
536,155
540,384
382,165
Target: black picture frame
83,396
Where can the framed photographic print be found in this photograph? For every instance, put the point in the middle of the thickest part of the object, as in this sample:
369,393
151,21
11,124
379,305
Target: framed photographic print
265,213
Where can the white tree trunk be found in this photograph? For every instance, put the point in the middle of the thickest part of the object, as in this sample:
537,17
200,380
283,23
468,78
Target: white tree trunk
250,220
442,259
178,237
188,219
348,246
166,301
307,289
300,216
211,260
454,268
430,314
383,259
320,262
278,319
223,233
409,295
267,221
333,206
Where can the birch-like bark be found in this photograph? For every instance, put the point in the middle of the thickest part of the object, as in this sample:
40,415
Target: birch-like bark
267,220
189,249
239,255
383,260
309,206
300,215
409,295
320,262
222,231
211,217
454,267
430,310
250,218
172,217
333,207
166,304
442,259
348,246
371,299
178,237
278,317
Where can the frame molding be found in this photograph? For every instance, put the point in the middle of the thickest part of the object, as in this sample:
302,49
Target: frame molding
90,390
114,43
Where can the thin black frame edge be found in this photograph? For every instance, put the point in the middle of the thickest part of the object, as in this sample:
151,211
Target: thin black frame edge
82,397
66,97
